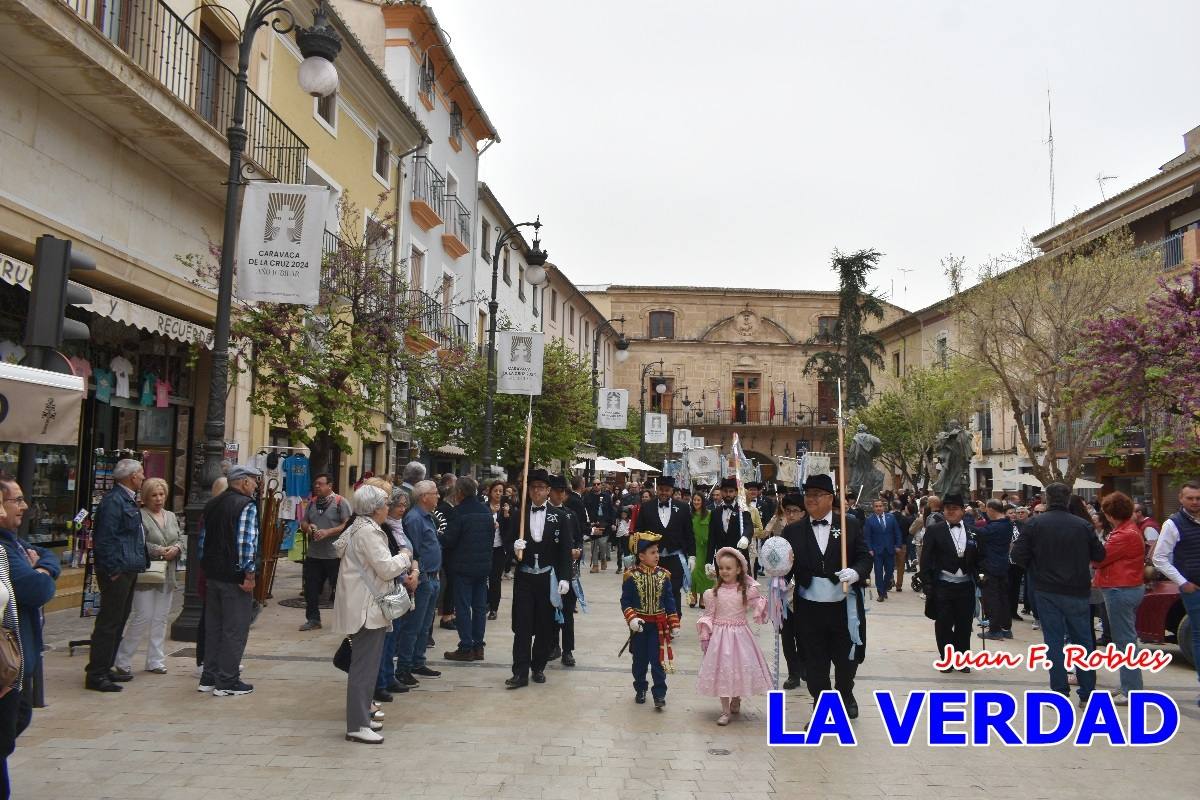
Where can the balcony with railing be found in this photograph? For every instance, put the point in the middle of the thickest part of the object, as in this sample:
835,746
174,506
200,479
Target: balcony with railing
456,239
428,194
695,416
437,324
1170,251
175,71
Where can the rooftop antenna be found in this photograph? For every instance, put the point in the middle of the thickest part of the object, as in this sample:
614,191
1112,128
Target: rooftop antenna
1050,147
1100,179
905,271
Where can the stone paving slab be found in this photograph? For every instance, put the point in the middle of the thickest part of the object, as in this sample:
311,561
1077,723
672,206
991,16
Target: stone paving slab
579,735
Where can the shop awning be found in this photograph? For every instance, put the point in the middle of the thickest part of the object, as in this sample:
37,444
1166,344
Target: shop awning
39,407
18,273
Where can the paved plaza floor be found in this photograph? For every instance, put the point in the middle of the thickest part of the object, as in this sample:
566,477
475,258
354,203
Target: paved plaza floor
578,735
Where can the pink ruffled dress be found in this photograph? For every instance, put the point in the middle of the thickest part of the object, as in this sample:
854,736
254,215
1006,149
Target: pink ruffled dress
732,665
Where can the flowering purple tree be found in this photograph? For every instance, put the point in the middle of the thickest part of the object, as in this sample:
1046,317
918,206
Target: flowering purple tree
1141,372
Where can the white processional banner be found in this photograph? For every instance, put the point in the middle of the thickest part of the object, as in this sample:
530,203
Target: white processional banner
280,242
681,439
704,462
519,357
656,428
613,410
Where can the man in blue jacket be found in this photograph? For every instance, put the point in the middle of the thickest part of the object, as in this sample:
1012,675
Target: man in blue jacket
118,555
467,546
884,539
994,542
33,571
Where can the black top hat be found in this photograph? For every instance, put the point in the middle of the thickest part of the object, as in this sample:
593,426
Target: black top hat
666,480
793,500
729,483
822,482
557,482
954,500
753,485
538,476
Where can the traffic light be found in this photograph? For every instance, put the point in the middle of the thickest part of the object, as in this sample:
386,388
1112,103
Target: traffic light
47,325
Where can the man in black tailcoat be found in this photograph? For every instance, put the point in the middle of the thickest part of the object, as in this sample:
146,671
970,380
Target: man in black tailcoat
672,520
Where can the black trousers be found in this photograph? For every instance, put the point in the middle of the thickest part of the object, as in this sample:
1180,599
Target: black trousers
1015,574
15,713
316,572
825,639
671,564
793,647
499,557
570,600
533,626
995,595
954,609
446,603
116,601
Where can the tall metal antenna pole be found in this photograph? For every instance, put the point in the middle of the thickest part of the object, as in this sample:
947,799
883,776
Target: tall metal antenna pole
1050,146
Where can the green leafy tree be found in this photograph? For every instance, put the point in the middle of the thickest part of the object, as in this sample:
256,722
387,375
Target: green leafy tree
850,350
621,443
455,407
325,370
908,418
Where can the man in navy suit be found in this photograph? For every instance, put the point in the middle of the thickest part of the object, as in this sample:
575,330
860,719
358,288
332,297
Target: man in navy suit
883,539
672,520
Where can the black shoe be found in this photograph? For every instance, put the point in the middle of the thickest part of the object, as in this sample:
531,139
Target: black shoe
851,708
383,696
407,679
880,597
539,677
426,672
555,653
447,625
791,683
118,676
491,615
948,669
965,669
659,702
1018,617
516,683
430,643
102,685
568,660
639,697
396,687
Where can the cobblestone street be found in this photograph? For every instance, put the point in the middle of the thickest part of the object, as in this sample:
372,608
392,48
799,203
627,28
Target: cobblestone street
578,735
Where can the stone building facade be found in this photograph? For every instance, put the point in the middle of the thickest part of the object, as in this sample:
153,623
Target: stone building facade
728,359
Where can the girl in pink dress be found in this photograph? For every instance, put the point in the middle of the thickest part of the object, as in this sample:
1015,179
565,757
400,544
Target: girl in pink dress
732,666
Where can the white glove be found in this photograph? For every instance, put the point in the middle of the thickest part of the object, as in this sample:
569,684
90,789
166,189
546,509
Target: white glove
636,624
710,570
848,575
564,587
691,563
519,545
743,543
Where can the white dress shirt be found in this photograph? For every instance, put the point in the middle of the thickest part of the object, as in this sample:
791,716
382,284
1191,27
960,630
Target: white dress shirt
537,523
822,532
664,514
959,534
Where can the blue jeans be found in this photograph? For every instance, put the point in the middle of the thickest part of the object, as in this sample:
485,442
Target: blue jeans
1122,604
414,627
470,610
1066,619
1191,604
885,562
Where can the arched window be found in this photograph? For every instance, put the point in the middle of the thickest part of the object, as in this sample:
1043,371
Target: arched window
662,324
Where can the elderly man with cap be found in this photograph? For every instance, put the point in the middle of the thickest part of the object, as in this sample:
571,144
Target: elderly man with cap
542,577
949,557
229,551
725,529
832,623
672,520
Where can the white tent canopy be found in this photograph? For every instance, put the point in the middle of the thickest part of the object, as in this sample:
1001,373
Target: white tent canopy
602,464
632,463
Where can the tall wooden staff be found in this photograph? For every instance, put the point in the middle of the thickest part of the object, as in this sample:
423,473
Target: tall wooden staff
842,482
525,481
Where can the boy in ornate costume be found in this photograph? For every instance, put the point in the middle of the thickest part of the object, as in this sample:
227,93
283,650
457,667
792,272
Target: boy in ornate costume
648,602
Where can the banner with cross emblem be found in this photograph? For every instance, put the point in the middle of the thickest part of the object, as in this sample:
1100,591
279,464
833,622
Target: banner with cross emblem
280,242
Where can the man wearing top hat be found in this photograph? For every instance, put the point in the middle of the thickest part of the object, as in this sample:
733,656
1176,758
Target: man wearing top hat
542,577
561,504
724,528
948,561
831,624
672,520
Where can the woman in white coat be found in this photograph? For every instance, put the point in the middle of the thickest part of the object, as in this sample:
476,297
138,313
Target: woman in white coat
156,586
366,572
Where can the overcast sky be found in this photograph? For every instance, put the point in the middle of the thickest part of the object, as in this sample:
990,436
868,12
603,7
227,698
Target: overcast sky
739,143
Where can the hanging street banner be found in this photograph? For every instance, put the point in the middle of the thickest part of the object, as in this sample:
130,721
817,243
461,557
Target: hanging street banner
656,428
681,439
697,442
280,241
613,411
704,463
38,406
519,356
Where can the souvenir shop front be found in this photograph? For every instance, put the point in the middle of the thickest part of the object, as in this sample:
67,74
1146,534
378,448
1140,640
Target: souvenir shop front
140,371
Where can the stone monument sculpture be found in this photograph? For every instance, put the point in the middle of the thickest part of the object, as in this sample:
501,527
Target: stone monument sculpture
866,481
954,450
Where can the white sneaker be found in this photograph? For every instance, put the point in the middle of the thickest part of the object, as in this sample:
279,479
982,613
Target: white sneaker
205,687
377,715
1037,626
1120,699
364,736
376,726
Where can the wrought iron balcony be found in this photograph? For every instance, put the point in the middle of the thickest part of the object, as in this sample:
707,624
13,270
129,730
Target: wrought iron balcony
1170,250
457,239
696,416
437,322
428,190
161,44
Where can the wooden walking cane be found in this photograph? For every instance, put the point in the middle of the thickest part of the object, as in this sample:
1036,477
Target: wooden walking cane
842,482
525,479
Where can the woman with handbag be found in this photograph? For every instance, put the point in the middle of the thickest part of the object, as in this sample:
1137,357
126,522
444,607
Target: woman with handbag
155,587
366,602
15,711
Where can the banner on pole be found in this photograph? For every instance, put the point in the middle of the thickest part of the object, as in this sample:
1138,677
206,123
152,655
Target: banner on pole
704,462
681,439
612,413
38,406
519,357
656,428
280,241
